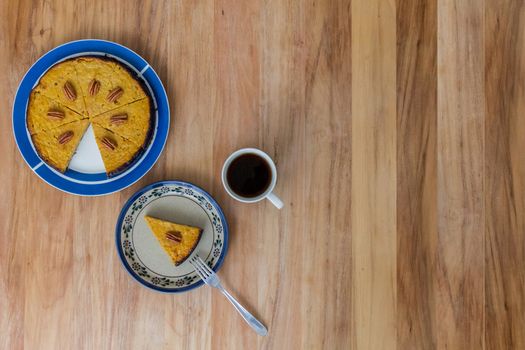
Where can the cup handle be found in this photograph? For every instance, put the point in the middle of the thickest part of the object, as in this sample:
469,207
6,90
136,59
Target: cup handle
275,200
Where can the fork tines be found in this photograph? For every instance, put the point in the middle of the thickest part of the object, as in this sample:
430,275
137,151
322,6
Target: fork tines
201,267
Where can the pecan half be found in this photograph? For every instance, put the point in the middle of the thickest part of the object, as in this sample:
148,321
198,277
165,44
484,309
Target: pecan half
65,137
56,115
69,91
115,94
118,119
174,236
108,143
94,87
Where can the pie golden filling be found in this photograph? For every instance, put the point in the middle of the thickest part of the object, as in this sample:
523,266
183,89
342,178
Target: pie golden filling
57,146
178,241
84,90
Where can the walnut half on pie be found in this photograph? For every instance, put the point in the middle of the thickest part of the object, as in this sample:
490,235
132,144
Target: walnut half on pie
178,241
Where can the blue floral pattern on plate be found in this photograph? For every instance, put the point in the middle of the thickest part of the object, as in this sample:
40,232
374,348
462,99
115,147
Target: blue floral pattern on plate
128,217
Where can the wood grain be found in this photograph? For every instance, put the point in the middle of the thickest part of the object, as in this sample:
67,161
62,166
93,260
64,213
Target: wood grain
397,129
374,174
416,173
328,90
460,145
504,175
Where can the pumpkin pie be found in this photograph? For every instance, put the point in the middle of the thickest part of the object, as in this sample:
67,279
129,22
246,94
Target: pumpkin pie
87,89
44,113
117,152
106,84
60,84
178,241
132,121
56,146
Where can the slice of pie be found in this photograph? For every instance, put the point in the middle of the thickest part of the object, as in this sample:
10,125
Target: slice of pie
57,146
177,240
94,77
132,122
60,83
45,114
106,85
117,152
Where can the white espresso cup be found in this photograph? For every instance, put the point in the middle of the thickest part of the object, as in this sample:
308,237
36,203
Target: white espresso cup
266,191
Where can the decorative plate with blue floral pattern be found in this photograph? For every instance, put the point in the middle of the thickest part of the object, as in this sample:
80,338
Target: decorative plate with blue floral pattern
179,202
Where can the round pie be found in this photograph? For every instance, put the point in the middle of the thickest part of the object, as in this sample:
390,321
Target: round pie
86,90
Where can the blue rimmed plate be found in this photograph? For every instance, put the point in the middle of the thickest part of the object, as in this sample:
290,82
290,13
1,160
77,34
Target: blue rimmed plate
176,201
85,175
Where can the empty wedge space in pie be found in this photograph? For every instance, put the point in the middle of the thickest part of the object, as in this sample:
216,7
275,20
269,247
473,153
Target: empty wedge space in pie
97,90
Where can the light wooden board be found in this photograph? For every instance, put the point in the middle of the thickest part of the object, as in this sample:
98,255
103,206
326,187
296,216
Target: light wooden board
459,266
397,129
373,194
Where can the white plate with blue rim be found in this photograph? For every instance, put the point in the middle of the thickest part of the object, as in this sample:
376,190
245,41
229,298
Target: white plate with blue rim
86,174
140,252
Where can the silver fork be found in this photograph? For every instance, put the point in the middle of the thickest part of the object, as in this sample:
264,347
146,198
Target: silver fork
210,278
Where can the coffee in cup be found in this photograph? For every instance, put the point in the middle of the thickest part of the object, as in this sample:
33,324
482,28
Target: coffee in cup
249,175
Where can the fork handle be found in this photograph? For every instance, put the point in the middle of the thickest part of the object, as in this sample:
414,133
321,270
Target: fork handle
248,317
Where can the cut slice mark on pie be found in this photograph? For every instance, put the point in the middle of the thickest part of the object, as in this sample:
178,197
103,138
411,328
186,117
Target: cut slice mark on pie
45,114
178,241
135,89
60,83
114,108
141,147
117,153
106,85
94,76
56,146
132,122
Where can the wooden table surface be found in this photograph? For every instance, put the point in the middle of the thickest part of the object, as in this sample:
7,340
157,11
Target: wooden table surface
398,130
